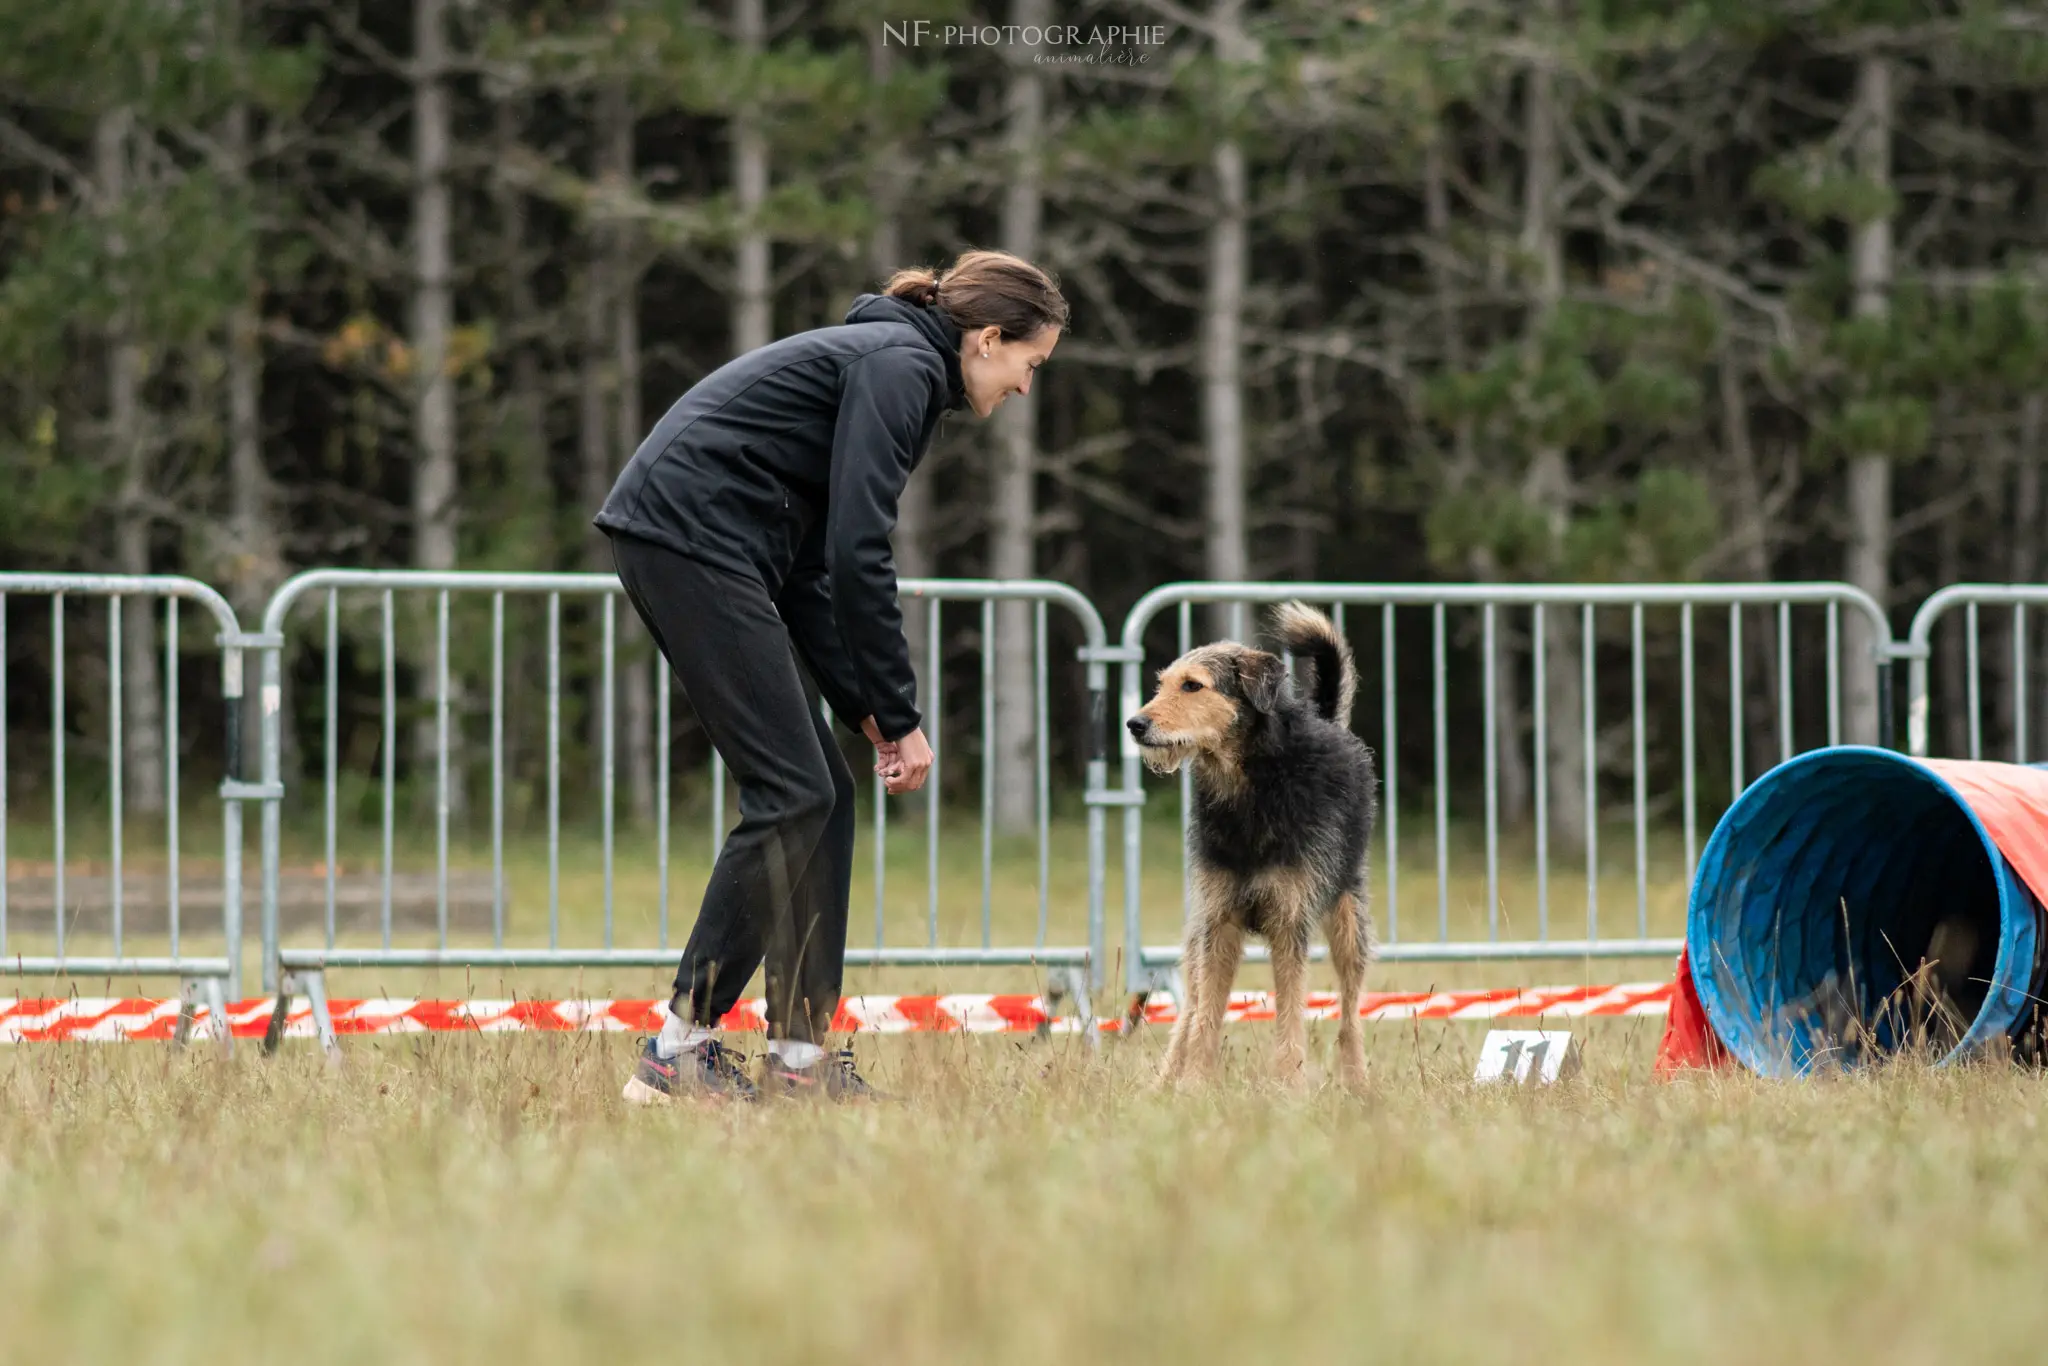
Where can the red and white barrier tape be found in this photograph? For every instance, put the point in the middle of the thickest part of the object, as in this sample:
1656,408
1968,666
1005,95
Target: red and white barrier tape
106,1019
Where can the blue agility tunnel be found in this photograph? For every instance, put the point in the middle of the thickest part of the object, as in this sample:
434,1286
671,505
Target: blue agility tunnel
1854,902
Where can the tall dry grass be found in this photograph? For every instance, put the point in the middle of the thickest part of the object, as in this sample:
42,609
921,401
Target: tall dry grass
491,1201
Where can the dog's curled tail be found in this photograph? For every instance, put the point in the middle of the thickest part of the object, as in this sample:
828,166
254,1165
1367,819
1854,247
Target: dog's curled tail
1308,634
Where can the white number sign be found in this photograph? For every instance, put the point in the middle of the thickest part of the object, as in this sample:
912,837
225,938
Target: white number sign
1543,1054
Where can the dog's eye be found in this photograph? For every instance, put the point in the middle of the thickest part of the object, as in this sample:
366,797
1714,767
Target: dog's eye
1189,685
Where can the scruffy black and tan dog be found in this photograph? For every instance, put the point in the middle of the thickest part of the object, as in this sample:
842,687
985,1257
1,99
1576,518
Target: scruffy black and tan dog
1285,798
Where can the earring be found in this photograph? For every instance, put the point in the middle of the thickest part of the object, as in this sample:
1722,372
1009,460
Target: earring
984,353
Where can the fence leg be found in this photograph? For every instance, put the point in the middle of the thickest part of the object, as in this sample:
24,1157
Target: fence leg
323,1021
273,1033
1070,984
1153,980
188,1007
1084,1008
217,1022
1887,723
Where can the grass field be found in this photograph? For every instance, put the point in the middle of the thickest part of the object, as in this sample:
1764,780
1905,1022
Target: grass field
492,1201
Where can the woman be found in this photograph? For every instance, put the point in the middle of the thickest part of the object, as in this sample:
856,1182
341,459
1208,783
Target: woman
751,531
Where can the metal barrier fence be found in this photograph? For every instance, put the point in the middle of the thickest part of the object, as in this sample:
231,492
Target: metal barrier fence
200,974
2013,702
1698,652
1073,968
1152,967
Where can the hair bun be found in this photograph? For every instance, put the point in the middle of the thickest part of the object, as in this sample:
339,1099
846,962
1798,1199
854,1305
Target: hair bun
920,287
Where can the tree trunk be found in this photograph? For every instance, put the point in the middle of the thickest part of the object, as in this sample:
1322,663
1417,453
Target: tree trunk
1951,662
142,732
434,484
2024,562
434,494
1563,691
2024,567
529,499
594,464
637,657
258,564
256,556
1226,550
1754,541
1227,555
1512,771
1549,485
2028,493
525,437
1867,563
593,398
1014,514
1513,763
640,659
753,304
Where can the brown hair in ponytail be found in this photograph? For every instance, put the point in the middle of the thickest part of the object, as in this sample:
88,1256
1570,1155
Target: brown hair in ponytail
986,289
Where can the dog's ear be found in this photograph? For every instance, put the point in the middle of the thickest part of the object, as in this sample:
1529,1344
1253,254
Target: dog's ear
1264,678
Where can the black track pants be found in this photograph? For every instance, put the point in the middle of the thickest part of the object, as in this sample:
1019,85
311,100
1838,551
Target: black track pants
781,883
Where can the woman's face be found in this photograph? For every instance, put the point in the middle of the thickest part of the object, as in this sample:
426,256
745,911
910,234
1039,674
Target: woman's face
992,369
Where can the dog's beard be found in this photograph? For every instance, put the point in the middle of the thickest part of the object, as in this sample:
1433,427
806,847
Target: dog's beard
1165,759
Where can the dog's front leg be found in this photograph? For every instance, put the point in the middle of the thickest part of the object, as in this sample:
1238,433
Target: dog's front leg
1223,948
1174,1065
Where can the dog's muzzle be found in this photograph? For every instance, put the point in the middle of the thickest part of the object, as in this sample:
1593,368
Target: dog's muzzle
1161,756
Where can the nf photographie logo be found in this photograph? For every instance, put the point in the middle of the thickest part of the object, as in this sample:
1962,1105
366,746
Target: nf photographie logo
1118,43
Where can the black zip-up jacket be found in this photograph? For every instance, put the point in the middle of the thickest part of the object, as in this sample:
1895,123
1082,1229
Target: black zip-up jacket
785,465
